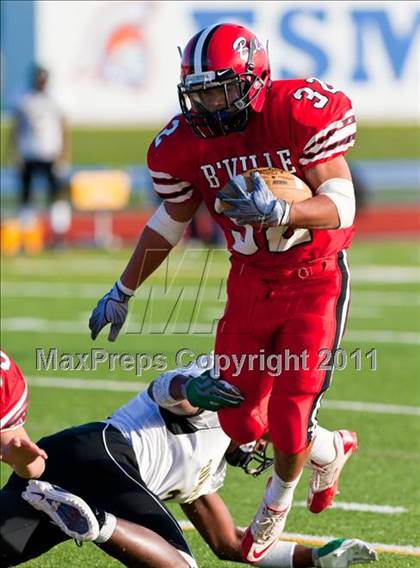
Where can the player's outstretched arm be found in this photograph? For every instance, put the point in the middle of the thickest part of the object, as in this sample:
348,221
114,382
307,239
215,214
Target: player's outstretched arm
163,230
211,517
187,394
213,520
24,456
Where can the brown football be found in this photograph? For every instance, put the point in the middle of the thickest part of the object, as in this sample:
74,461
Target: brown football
282,184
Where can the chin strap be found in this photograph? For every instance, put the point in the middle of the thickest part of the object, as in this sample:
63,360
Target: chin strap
252,458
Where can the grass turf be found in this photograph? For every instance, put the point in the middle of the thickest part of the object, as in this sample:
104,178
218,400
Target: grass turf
46,302
119,146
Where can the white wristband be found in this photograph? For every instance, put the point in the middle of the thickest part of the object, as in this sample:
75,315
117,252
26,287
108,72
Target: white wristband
341,191
127,291
161,390
168,228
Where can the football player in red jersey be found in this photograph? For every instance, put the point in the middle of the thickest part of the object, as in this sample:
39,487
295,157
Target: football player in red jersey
17,449
288,287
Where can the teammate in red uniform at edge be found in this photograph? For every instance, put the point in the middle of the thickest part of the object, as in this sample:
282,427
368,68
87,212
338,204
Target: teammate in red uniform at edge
288,286
17,449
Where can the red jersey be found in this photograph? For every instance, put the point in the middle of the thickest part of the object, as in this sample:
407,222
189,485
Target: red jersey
303,123
13,395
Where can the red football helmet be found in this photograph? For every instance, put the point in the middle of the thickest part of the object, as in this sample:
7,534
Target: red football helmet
225,72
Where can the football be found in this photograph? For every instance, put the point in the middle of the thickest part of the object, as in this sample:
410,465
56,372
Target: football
282,184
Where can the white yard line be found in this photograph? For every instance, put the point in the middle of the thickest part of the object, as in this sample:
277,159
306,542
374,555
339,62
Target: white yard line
72,265
371,407
132,386
389,274
156,328
79,383
356,311
28,324
320,540
94,291
382,336
65,264
386,299
360,507
189,257
32,289
91,290
364,274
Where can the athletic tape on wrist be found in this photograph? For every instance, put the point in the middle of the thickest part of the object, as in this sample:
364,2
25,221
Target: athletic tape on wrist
168,228
341,192
161,390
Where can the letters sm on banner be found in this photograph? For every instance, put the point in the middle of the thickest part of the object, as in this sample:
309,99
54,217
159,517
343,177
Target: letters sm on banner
117,62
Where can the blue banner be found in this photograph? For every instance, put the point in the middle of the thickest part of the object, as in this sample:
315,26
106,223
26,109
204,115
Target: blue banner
17,48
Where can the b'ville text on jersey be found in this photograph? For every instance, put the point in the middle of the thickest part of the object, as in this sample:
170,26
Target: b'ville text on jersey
239,164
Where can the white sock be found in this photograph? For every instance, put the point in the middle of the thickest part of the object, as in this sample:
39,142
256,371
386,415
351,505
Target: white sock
279,556
107,529
279,494
323,449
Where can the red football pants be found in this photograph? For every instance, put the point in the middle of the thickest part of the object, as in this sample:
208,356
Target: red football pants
297,317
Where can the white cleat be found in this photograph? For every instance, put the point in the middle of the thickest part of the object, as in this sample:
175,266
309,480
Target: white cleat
263,532
341,553
323,485
69,512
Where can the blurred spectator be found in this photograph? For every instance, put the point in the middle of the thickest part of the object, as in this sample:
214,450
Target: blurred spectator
40,141
40,146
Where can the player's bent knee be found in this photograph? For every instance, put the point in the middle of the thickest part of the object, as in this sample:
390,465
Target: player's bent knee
241,427
288,445
289,422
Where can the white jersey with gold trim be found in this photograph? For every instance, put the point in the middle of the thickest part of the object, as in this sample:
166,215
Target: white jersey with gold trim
179,457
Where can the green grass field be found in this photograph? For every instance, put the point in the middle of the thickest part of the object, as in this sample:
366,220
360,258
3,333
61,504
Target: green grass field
114,146
46,302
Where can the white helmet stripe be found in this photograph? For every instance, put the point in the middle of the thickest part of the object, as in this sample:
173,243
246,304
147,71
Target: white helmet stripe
199,48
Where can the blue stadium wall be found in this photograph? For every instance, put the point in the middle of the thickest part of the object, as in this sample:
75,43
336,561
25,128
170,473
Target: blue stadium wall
17,47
